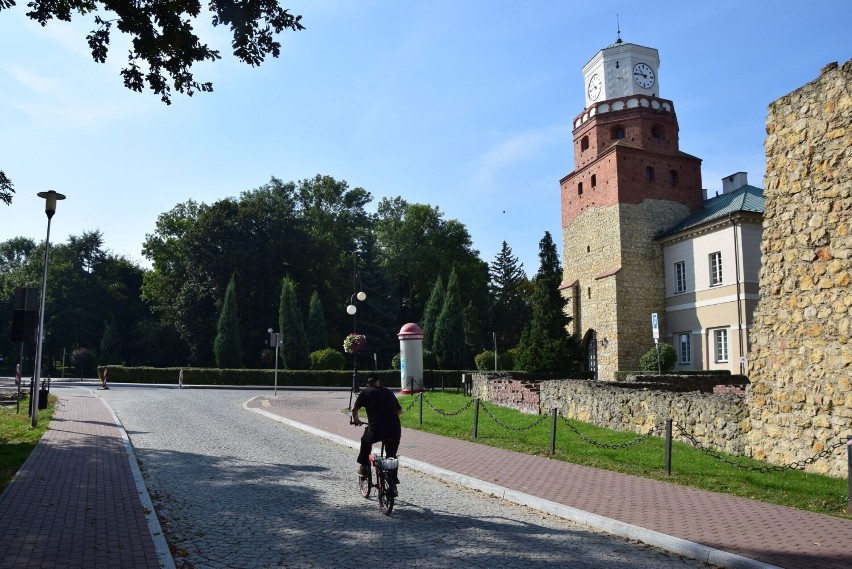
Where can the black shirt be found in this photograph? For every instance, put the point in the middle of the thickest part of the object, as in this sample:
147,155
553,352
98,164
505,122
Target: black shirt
382,411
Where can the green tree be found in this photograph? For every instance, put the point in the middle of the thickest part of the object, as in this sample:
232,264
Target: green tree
545,343
227,348
294,350
508,288
431,313
475,339
315,326
165,46
415,244
6,188
110,351
449,329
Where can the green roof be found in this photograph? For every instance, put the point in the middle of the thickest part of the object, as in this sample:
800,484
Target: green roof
744,199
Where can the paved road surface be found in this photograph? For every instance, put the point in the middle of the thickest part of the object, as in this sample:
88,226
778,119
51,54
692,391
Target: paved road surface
234,489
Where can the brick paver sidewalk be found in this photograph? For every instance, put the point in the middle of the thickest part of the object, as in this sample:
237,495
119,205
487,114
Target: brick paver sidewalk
625,505
75,503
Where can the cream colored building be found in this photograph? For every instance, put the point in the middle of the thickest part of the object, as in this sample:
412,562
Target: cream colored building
712,265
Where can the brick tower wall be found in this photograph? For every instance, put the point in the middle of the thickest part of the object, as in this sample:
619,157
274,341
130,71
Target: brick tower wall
800,399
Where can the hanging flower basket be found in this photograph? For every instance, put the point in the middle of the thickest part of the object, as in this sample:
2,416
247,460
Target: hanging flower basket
354,343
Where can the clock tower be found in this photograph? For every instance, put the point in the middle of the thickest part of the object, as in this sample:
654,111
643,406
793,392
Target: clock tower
630,182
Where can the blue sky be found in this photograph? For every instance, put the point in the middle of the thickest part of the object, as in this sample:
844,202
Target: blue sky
465,105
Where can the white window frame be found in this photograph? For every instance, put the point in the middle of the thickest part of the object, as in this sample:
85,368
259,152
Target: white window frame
684,347
720,345
680,276
716,268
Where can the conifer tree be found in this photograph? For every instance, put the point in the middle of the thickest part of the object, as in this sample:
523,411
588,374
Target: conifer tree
545,344
431,313
509,310
448,343
227,348
315,326
294,349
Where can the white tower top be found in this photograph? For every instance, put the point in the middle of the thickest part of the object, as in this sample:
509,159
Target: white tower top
620,70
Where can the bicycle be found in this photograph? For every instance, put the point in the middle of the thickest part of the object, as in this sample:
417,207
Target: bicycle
385,472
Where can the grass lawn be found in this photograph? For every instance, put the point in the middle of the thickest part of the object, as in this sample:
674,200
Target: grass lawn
18,438
507,428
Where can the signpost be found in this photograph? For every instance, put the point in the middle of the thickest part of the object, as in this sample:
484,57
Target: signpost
655,329
276,339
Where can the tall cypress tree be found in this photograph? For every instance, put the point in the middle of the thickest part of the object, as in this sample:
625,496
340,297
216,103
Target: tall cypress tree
227,348
431,313
315,326
294,350
448,343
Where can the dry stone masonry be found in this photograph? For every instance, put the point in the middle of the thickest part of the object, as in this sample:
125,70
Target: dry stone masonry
800,398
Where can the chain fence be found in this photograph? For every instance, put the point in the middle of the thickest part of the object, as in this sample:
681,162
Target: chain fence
510,427
797,465
630,443
449,413
655,430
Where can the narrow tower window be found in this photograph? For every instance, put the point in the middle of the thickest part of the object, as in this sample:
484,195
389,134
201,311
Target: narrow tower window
618,133
673,177
594,180
584,144
657,132
580,189
649,173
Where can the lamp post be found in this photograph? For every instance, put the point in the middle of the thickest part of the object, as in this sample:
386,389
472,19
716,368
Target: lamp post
50,198
352,311
275,340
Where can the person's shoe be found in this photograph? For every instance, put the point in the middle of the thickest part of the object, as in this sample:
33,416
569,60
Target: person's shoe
363,471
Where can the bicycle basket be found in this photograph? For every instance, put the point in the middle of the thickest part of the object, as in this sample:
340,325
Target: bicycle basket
389,464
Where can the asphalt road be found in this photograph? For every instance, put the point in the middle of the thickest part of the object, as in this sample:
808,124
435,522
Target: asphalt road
233,489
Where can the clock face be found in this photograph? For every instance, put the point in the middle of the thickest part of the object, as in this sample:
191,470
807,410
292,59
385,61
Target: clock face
595,87
643,75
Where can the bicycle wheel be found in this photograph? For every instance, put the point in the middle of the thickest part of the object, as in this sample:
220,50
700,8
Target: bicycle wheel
365,484
386,494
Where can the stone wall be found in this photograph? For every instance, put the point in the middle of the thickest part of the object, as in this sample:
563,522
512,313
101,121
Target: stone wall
717,421
800,399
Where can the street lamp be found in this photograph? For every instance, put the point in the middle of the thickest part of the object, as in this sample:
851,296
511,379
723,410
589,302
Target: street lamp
50,198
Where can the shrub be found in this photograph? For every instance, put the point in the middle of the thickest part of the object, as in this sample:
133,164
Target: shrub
84,360
327,358
668,358
430,361
485,360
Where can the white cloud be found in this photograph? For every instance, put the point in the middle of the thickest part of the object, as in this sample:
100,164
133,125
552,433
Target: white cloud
30,80
515,151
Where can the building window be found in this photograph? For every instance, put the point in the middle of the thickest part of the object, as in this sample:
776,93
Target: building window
684,347
649,173
584,144
720,341
673,177
716,268
680,276
589,291
580,189
656,131
618,133
594,180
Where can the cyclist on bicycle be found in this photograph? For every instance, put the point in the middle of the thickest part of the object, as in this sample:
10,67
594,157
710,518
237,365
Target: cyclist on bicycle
383,411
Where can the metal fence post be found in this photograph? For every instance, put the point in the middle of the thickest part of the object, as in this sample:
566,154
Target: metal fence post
849,472
668,447
553,431
476,418
421,407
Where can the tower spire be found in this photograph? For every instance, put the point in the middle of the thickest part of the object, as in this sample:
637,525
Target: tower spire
618,28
